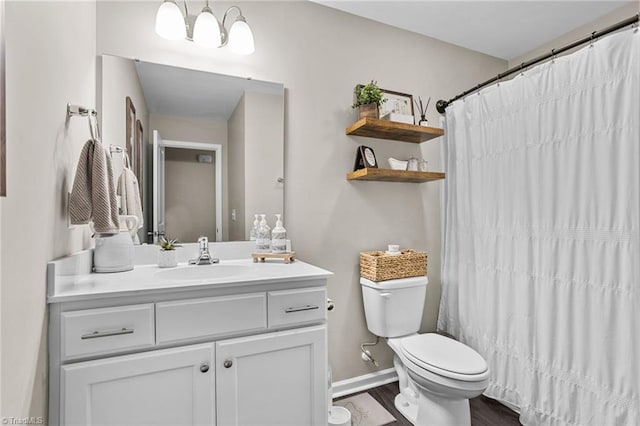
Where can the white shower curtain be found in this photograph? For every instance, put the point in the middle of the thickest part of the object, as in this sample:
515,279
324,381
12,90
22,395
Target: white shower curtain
541,269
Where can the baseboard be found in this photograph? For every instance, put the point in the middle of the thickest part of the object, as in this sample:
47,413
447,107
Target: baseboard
364,382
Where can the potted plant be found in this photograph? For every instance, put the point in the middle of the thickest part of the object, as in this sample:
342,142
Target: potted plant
167,254
368,98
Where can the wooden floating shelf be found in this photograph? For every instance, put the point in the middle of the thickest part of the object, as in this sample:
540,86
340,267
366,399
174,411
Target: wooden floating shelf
389,175
385,129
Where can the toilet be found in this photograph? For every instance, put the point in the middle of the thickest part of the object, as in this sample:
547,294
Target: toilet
437,375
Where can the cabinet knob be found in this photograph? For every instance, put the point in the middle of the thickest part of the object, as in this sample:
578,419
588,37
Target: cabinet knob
330,305
204,367
228,363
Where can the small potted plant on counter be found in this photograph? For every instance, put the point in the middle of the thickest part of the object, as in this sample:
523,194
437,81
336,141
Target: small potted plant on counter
368,98
167,254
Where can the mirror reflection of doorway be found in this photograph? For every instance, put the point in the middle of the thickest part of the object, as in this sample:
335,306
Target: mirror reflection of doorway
185,176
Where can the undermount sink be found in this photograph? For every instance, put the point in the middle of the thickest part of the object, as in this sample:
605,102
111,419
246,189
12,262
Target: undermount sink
201,272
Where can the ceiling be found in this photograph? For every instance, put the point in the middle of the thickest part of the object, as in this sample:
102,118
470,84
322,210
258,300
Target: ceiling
188,93
504,29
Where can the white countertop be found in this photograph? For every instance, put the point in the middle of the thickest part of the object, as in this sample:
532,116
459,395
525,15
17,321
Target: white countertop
65,286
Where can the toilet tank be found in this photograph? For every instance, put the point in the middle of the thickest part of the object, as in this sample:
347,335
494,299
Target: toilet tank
394,308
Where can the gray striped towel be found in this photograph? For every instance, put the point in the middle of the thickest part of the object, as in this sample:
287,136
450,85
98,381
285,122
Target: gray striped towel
93,196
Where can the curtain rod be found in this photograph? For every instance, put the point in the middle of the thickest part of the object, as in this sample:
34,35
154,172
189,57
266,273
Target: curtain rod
441,105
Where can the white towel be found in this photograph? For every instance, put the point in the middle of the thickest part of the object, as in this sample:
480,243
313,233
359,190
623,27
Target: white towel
93,196
129,192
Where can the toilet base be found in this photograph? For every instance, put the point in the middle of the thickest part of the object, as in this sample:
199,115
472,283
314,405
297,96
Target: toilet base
408,410
436,410
433,410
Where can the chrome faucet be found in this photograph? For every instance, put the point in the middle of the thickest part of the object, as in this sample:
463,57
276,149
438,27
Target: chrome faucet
204,258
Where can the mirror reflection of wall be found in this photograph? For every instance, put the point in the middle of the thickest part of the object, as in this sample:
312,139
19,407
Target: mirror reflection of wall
243,117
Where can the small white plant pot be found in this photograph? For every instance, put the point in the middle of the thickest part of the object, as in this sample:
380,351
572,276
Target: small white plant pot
167,259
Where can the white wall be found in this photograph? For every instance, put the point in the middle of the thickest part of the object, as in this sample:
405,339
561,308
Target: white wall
320,54
50,61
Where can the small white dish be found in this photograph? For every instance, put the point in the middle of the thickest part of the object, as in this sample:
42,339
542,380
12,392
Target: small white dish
393,253
397,164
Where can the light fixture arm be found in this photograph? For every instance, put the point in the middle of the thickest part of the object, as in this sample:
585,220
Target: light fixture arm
223,31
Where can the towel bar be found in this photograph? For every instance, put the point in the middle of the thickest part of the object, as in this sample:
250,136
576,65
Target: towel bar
80,111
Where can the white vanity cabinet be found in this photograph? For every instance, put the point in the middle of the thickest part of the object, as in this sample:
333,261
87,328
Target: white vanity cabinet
164,387
242,353
274,379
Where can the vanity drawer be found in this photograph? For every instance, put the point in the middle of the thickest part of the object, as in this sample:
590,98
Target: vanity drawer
197,318
288,307
106,330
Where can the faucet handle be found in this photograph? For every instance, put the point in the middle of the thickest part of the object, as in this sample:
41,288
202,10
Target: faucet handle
204,242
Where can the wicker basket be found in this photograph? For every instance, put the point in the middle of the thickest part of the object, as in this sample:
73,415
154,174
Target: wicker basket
379,266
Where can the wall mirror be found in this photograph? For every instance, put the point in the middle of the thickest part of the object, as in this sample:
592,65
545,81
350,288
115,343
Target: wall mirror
208,149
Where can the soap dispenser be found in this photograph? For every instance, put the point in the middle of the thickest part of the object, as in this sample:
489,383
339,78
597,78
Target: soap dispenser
279,237
263,236
253,234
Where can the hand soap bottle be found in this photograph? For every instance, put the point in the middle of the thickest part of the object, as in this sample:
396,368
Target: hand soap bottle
263,237
253,234
279,237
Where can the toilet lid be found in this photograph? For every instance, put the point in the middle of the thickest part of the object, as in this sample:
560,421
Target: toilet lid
441,354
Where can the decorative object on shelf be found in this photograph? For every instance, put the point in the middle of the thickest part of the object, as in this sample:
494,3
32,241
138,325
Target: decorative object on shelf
424,165
379,266
397,106
393,250
286,257
365,158
397,164
167,253
368,99
207,31
412,164
423,112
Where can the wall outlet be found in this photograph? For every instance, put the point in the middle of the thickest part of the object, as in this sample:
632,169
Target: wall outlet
233,215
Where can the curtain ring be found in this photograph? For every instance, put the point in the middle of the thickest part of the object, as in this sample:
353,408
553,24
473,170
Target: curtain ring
593,39
522,69
553,56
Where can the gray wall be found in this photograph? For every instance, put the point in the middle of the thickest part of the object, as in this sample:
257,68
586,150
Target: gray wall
617,15
51,49
236,184
263,157
190,196
199,130
329,219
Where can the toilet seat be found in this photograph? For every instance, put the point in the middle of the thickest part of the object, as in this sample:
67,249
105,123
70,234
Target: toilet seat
445,357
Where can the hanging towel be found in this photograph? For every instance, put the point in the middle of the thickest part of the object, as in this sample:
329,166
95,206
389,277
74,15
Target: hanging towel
129,192
93,196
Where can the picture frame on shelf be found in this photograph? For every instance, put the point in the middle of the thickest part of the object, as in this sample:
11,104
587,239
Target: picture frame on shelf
397,107
365,159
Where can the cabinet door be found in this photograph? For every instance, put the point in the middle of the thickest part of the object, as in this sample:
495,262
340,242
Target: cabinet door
273,379
163,387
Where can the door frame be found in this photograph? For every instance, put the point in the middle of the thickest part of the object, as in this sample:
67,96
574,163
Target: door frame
217,149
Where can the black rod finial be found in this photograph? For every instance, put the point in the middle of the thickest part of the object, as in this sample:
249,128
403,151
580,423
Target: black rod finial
441,106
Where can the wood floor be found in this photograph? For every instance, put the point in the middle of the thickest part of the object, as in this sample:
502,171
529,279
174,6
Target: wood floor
484,411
